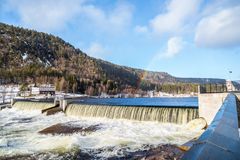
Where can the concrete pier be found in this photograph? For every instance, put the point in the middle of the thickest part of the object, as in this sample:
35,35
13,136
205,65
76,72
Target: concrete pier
221,139
209,104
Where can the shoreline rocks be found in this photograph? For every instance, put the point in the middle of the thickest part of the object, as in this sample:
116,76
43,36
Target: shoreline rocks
161,152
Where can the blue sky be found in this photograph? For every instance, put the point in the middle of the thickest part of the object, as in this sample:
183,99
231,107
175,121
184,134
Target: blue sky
186,38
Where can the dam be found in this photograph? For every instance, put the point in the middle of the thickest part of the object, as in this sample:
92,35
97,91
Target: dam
109,131
221,138
220,111
150,112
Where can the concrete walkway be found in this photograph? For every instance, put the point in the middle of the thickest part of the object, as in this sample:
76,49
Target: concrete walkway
221,139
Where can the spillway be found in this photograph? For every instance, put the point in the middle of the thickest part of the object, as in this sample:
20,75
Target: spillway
178,115
29,105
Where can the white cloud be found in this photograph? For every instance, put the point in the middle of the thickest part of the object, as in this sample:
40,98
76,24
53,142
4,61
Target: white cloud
177,15
218,5
45,15
116,20
51,15
174,47
97,50
141,29
220,29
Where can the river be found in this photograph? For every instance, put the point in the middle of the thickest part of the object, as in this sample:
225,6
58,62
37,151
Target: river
115,137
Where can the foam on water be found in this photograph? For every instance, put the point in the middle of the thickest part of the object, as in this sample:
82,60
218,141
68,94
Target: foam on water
19,134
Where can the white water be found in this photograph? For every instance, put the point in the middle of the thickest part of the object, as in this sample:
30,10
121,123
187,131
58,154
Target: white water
18,134
160,114
25,105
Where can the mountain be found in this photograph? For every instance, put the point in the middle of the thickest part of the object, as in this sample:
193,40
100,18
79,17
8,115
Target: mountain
28,56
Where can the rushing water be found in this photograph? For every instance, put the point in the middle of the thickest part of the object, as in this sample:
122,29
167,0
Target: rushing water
19,136
171,110
27,105
177,110
179,115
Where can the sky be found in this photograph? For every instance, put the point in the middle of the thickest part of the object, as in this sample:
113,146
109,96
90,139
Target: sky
186,38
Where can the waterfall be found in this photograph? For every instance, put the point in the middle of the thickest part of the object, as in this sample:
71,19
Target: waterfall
161,114
28,105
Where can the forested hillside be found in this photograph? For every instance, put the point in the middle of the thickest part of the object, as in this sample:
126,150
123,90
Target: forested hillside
28,56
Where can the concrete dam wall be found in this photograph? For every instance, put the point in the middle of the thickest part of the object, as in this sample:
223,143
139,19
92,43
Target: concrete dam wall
221,139
178,115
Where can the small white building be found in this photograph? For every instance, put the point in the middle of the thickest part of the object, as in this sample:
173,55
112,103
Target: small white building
43,90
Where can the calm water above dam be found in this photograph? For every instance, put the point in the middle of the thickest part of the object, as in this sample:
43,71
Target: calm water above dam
114,138
155,102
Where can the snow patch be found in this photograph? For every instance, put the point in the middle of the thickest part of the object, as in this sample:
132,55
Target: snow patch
24,56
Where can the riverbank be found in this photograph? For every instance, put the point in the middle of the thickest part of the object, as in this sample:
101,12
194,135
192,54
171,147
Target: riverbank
161,152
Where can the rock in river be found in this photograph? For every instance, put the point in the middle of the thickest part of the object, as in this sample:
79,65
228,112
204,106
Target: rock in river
61,128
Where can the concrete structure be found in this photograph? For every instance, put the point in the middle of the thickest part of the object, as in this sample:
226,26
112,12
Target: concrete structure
230,86
43,90
238,109
53,110
13,101
209,104
221,139
63,102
